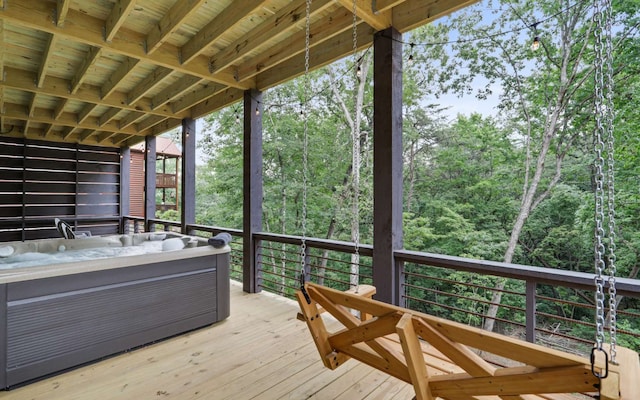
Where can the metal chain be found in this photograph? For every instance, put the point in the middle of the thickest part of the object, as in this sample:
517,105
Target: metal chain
603,75
356,153
608,126
305,145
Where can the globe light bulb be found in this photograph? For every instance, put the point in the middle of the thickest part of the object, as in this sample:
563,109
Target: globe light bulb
535,45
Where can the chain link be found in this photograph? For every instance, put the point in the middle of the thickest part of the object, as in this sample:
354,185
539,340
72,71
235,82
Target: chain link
603,76
305,144
355,137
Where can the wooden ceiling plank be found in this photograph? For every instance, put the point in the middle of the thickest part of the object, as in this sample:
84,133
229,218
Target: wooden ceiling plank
25,127
214,29
414,13
46,58
130,119
174,90
62,8
116,18
170,22
85,29
364,10
108,116
84,114
57,87
320,32
118,75
287,18
92,55
43,116
195,97
149,122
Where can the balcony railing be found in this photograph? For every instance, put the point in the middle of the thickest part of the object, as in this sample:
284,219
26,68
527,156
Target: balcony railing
166,180
542,305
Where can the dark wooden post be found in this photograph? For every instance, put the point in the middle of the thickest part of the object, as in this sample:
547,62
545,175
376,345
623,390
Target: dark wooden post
252,183
149,182
188,189
125,191
387,163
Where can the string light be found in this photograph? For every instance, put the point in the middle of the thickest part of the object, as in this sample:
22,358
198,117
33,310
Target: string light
359,71
535,45
410,59
257,110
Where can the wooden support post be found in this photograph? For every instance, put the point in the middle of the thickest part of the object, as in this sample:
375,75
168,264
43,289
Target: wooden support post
387,163
188,189
252,185
149,182
530,311
125,191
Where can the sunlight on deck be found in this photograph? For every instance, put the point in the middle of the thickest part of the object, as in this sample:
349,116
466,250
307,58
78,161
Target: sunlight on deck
260,352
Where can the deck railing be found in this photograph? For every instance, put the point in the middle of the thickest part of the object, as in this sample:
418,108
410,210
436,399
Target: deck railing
543,305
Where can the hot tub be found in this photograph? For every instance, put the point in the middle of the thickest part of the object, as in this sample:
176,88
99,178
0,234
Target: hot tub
54,317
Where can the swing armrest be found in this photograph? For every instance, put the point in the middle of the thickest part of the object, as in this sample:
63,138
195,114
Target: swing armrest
362,290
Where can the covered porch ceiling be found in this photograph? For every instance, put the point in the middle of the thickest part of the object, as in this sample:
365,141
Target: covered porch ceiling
110,72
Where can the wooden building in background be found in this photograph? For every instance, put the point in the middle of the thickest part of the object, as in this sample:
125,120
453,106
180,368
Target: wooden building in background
167,176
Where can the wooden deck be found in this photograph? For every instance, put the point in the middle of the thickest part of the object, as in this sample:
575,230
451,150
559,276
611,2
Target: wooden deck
260,352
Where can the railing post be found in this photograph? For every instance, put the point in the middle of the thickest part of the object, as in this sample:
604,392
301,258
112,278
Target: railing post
530,311
188,193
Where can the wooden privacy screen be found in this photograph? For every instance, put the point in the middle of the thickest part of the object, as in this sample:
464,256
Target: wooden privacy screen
40,181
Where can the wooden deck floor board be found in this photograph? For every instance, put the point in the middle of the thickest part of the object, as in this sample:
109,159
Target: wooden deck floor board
260,352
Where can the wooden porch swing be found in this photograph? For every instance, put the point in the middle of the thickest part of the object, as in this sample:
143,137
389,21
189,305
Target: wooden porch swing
440,357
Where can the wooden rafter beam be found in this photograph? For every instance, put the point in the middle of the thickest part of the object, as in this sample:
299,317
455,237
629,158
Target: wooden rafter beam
104,136
414,13
32,105
86,111
57,112
116,18
118,75
286,19
214,29
108,116
327,53
92,55
170,22
196,96
338,22
151,81
364,10
174,90
44,116
86,134
149,122
67,132
46,58
86,29
130,119
57,87
62,8
48,128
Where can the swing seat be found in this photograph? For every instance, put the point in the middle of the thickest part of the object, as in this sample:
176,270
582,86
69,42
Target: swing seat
440,357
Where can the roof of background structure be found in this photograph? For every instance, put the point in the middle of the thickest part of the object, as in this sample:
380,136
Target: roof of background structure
164,146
